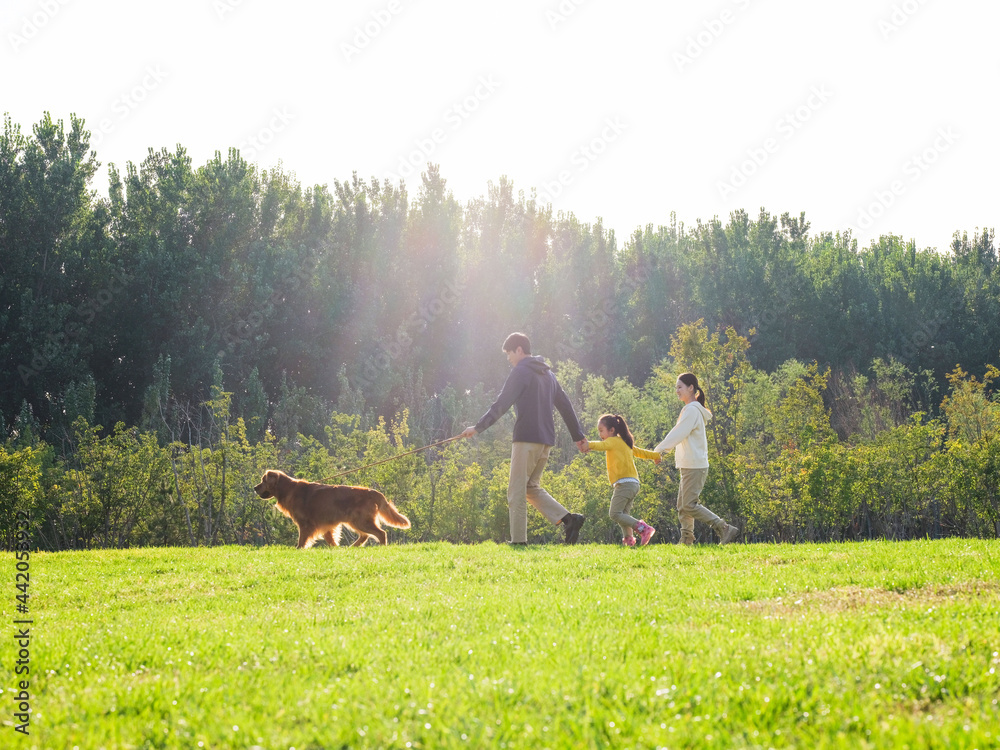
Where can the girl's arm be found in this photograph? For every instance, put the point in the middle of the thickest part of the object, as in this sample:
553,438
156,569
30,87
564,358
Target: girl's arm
648,455
599,445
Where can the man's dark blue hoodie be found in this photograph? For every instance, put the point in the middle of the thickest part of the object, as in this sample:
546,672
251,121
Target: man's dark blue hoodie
533,391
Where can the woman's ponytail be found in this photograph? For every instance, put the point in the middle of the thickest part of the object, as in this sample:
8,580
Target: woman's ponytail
689,378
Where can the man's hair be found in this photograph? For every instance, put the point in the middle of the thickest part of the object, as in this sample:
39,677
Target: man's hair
517,340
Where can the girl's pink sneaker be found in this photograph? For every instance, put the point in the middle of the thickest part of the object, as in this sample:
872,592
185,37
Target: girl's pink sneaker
629,541
645,532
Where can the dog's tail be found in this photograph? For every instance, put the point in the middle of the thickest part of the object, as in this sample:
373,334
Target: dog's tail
389,515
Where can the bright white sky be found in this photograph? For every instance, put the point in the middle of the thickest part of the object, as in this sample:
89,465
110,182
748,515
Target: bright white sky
879,115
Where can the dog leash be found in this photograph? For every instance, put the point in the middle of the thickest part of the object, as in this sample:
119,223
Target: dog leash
392,458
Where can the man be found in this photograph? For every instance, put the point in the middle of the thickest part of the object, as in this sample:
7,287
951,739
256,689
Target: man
533,391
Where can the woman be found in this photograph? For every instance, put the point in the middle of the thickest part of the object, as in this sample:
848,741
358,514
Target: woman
690,439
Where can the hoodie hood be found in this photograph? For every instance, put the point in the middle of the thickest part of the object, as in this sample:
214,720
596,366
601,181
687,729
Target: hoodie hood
535,364
704,412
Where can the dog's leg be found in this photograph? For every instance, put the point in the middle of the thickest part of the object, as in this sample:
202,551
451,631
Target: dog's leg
370,527
304,539
377,532
332,539
360,541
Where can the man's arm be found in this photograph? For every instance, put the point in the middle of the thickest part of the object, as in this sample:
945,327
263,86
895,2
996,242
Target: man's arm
512,388
568,414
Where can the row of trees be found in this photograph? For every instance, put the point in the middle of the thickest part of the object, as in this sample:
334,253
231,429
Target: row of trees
229,320
183,277
779,469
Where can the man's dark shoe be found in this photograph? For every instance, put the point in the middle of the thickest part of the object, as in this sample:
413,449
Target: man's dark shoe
517,544
573,523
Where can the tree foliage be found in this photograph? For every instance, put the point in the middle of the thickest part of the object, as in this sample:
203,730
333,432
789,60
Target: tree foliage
221,319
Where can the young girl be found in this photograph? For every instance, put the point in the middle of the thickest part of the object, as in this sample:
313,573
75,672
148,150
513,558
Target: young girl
617,442
690,439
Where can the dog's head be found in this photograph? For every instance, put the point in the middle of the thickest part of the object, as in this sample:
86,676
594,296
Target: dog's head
269,483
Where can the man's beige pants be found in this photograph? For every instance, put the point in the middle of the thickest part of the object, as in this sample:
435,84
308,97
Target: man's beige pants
527,461
688,507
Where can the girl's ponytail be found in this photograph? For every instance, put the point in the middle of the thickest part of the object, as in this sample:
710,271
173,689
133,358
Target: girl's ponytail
623,431
617,423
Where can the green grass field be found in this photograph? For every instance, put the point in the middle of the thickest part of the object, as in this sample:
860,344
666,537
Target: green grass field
436,646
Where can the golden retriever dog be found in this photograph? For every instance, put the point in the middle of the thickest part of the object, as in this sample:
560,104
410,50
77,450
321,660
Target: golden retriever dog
319,510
